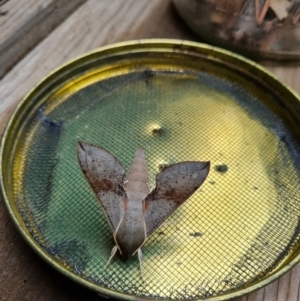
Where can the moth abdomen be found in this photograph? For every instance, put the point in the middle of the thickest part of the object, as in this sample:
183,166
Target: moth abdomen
131,234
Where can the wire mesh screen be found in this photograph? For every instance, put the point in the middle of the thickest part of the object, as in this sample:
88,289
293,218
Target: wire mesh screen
236,229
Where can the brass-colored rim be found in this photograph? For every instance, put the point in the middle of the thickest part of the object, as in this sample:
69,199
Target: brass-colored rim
135,46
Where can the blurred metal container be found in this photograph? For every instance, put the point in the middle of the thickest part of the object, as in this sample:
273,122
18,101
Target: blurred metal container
255,28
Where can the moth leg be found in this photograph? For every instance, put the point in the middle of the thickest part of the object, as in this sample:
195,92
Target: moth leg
112,254
140,256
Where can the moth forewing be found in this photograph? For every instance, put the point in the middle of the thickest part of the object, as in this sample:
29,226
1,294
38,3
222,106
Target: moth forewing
133,212
104,175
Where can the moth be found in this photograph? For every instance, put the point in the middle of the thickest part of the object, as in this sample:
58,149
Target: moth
132,211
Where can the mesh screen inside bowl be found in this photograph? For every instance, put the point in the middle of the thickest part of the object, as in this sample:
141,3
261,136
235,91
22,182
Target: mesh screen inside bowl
235,230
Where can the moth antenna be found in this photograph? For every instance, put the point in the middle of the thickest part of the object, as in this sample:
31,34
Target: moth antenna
112,254
140,256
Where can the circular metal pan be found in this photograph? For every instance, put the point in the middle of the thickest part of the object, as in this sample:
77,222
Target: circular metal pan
180,101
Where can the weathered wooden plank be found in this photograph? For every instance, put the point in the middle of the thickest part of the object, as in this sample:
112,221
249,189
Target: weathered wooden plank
23,24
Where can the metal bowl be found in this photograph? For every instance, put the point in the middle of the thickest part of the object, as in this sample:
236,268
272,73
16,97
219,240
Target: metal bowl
237,233
255,28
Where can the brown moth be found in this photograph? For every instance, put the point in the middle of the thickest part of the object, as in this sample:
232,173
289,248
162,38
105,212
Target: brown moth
132,211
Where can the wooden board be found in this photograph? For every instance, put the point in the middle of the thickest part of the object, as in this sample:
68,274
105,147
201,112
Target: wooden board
24,23
24,276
